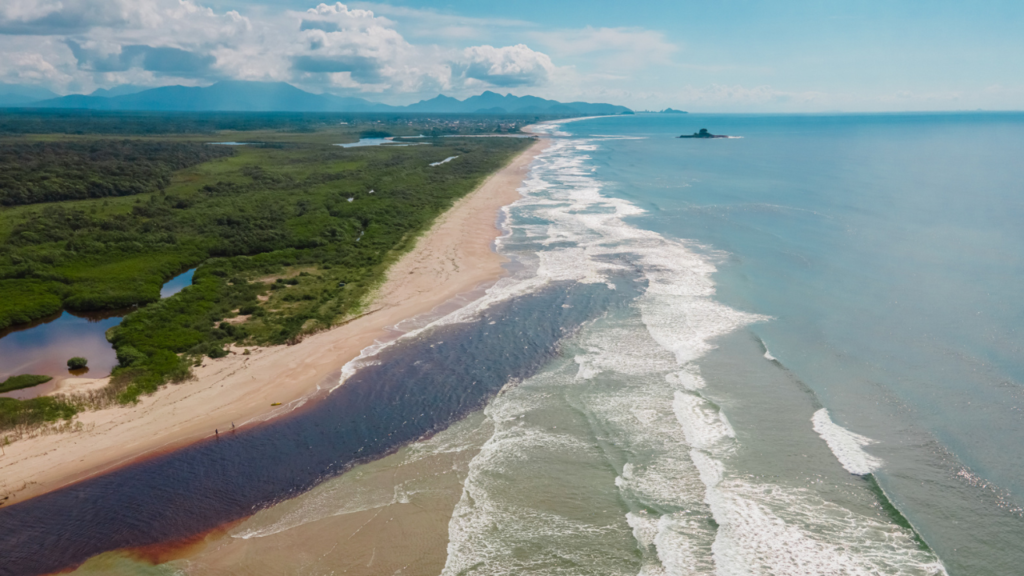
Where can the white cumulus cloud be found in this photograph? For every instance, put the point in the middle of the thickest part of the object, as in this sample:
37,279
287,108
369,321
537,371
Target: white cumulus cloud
508,66
78,45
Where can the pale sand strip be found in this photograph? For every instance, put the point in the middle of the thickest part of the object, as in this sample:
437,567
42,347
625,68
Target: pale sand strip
454,257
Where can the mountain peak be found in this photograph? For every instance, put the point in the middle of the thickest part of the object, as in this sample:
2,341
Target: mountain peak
250,96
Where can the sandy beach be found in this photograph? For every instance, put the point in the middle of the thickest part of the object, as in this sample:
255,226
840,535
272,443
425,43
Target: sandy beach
454,257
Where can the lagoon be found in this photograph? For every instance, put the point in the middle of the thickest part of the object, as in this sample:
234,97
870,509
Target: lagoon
376,142
43,347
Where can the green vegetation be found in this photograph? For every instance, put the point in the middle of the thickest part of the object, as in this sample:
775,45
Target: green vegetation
22,381
288,240
93,122
33,172
41,410
25,300
77,363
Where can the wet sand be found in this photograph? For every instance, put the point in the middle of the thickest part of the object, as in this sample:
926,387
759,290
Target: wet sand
453,258
389,516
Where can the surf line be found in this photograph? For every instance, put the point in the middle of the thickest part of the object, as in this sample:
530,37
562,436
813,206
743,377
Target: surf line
381,408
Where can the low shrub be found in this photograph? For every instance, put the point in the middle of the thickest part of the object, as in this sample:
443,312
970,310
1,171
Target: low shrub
15,413
22,381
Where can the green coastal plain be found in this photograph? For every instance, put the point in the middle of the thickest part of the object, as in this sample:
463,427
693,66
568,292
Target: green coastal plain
289,233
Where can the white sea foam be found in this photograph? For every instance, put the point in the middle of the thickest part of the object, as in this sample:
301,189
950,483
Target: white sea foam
689,379
702,424
636,380
498,514
645,528
580,215
682,544
669,481
766,529
673,529
625,350
847,446
587,241
676,541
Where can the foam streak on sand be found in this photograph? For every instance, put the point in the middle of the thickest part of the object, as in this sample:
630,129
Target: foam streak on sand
453,258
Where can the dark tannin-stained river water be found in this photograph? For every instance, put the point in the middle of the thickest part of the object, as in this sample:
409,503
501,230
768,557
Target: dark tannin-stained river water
419,387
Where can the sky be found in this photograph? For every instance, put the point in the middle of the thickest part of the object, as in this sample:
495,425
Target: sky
700,56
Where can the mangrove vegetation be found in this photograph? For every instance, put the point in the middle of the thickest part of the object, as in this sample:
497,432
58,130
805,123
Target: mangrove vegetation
289,239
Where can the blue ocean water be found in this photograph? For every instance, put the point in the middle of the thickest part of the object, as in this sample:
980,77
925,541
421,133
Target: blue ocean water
886,251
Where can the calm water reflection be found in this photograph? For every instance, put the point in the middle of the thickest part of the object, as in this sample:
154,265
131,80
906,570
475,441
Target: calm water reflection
177,284
44,346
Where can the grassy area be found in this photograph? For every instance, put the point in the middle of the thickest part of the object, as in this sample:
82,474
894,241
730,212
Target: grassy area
22,381
289,238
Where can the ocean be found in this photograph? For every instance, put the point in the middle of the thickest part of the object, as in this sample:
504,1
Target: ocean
792,352
822,373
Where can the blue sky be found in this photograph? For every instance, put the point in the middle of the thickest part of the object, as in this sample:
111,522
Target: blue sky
729,55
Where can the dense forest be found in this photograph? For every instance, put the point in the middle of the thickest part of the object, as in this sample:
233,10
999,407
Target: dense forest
289,239
15,121
48,171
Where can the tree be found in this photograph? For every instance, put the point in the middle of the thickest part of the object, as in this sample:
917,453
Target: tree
77,363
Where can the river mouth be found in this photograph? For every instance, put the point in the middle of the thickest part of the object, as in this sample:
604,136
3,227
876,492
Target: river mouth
43,347
414,389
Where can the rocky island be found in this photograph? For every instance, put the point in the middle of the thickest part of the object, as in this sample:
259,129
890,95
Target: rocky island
703,134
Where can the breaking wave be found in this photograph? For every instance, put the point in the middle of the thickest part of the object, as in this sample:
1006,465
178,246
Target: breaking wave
623,418
847,446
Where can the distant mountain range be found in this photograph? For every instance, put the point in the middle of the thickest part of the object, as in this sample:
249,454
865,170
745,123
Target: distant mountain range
16,95
491,103
237,96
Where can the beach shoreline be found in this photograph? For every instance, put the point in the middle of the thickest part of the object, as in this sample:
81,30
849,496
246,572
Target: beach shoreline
454,257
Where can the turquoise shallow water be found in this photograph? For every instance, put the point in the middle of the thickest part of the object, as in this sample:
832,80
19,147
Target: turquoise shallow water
823,375
888,252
